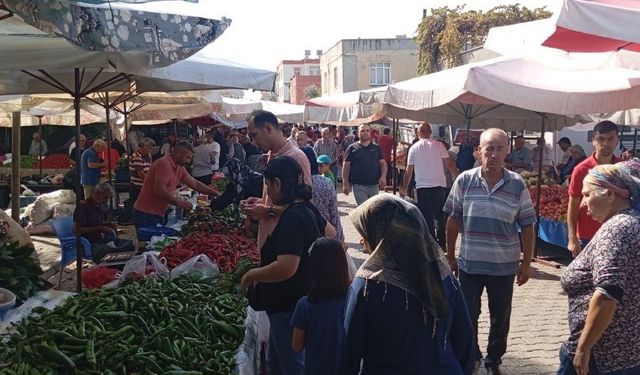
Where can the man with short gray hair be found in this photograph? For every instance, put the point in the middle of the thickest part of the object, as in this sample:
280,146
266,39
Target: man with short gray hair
488,204
90,166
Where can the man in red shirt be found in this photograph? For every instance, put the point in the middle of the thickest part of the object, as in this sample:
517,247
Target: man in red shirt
159,186
581,226
386,144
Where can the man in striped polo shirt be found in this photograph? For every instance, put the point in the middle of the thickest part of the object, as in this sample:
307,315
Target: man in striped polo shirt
488,204
139,165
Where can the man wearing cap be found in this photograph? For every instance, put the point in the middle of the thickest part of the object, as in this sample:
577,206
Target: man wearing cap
564,144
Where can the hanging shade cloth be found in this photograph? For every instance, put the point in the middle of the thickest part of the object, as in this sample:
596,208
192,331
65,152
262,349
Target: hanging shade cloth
285,112
442,98
597,26
350,108
168,38
556,89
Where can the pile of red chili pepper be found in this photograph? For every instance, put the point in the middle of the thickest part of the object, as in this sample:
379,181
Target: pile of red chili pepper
226,250
55,161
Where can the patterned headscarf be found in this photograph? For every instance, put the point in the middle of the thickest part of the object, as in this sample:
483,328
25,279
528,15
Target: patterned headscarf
404,254
623,179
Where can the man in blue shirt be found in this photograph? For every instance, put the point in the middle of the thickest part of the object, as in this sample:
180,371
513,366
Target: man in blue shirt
520,158
90,166
487,205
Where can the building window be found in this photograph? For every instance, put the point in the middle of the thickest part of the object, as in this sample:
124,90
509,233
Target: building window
296,71
314,70
379,74
335,77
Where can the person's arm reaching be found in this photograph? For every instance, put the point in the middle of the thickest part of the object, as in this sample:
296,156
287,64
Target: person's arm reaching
453,229
162,191
383,174
346,183
283,268
528,243
599,317
451,165
572,225
199,186
406,180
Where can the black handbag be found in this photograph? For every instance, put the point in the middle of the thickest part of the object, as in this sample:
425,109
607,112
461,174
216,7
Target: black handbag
257,297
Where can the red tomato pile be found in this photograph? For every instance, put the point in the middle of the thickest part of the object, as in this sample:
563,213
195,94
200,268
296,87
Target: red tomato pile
56,161
553,201
226,250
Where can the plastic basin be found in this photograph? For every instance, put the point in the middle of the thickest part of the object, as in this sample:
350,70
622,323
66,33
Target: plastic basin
7,301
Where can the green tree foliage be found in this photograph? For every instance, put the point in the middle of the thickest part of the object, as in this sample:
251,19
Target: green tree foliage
312,92
446,31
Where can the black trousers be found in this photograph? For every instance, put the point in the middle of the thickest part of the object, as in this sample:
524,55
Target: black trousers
431,201
134,192
499,293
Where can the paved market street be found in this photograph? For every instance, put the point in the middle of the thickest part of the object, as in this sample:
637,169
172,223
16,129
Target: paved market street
538,320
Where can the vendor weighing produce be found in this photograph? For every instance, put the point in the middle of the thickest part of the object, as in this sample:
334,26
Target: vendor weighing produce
159,187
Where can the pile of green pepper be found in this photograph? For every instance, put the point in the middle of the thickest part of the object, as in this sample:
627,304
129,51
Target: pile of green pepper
186,325
19,272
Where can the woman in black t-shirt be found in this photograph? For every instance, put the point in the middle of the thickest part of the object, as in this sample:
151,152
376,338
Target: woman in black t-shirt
283,265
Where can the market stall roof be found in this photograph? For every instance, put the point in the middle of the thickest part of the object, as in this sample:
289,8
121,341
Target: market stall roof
442,98
285,112
597,26
164,36
350,108
570,88
23,47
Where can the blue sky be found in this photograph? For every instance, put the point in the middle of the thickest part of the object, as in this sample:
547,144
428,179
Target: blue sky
264,32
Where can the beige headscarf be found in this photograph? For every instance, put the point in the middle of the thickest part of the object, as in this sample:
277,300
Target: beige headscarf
404,253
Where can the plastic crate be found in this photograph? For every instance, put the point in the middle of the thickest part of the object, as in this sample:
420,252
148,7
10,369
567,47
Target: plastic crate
145,233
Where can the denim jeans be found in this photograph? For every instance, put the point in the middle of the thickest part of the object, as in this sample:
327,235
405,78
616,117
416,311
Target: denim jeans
499,293
364,192
143,219
567,368
282,359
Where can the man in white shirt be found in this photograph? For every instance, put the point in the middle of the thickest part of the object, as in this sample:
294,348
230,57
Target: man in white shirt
214,148
428,158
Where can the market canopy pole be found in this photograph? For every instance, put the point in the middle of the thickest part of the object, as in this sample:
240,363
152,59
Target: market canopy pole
539,184
15,167
40,149
395,152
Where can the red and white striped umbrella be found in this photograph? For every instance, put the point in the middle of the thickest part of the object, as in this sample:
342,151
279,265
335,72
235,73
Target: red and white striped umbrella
597,26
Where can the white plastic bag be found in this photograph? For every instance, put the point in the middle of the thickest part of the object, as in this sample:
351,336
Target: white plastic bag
200,264
43,206
141,266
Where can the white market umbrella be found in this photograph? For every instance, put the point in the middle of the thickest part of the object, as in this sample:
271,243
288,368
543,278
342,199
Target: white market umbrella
597,26
442,98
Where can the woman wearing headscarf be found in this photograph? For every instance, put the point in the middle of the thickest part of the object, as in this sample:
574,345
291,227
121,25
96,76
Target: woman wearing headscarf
405,310
602,283
577,156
